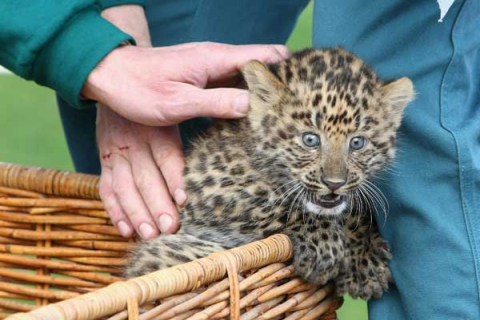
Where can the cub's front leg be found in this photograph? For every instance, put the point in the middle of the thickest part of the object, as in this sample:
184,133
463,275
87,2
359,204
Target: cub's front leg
318,249
167,251
368,273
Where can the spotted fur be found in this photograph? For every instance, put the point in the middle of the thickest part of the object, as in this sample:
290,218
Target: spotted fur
251,178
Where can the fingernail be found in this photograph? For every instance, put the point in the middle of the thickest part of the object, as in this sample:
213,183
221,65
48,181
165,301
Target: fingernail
124,229
180,197
242,105
146,231
166,222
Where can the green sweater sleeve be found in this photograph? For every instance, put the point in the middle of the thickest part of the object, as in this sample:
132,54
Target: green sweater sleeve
56,43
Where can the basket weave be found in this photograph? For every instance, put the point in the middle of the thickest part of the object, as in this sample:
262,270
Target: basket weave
57,243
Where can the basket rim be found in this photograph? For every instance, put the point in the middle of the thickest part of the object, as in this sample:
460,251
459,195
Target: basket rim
164,283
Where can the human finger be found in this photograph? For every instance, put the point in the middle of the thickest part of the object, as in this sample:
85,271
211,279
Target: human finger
196,102
153,190
113,208
130,199
224,61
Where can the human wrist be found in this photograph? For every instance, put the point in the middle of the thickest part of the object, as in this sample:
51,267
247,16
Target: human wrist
98,85
130,19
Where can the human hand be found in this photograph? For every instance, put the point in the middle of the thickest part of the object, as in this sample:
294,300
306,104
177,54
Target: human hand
165,86
141,167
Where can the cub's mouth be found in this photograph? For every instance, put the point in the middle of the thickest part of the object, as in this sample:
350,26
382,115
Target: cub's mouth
331,200
327,205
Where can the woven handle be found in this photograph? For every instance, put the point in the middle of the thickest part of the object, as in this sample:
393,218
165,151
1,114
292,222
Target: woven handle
49,181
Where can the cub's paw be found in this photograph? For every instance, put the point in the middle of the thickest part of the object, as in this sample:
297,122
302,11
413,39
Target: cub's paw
368,273
317,265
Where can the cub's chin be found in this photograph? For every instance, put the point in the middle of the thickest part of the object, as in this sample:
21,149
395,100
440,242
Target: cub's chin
327,205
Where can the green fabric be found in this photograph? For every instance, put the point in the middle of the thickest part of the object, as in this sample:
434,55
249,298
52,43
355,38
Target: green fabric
55,43
112,3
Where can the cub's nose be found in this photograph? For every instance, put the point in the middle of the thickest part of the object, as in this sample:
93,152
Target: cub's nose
333,184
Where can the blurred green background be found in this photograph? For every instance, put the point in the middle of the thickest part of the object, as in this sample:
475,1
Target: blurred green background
31,132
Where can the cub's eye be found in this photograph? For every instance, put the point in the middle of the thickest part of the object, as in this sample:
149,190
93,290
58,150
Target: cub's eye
311,140
358,143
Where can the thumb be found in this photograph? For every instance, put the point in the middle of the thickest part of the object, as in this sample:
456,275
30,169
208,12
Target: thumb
216,103
222,103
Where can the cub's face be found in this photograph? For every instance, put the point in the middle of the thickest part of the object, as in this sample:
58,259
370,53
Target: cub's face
328,121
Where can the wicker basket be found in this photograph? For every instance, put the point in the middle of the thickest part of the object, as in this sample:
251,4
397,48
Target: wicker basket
60,258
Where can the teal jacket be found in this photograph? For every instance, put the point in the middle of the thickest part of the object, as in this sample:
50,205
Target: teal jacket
57,43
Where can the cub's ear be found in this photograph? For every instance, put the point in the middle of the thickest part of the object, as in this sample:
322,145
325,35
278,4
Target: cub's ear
265,88
398,94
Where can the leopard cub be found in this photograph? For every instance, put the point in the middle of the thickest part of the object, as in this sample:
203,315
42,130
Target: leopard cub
321,125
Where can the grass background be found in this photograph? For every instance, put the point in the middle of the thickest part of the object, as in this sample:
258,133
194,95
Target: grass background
31,132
